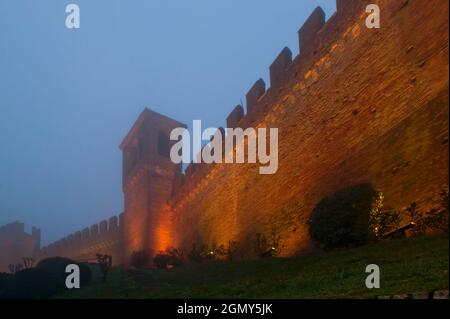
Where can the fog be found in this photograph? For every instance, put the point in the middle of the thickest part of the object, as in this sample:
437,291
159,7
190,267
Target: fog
68,97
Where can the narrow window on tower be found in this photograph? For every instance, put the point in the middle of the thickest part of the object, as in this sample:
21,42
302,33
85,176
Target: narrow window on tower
163,145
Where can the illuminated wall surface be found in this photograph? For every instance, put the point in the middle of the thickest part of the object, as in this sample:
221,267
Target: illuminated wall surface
357,105
15,244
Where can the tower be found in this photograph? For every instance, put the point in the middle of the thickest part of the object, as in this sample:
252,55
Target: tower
148,175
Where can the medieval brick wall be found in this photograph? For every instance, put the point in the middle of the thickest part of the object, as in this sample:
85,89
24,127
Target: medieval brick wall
103,238
357,105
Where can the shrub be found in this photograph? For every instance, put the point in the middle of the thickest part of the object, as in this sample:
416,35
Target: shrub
343,219
417,217
140,259
388,221
196,253
231,250
85,274
13,268
267,246
382,222
200,253
161,261
171,257
175,257
437,218
44,281
56,266
6,285
227,252
28,262
35,283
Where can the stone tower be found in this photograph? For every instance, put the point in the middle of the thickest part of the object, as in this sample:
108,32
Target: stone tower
148,175
16,244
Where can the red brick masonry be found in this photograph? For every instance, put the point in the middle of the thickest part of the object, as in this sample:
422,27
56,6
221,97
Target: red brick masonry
356,105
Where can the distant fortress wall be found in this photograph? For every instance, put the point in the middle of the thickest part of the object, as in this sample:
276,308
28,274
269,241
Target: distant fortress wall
103,238
16,244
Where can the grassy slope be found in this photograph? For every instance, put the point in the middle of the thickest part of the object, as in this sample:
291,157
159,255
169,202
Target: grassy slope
407,266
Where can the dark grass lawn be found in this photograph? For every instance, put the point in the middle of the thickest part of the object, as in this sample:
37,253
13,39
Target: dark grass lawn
407,266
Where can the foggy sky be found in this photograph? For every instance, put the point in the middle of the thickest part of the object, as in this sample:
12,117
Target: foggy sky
68,97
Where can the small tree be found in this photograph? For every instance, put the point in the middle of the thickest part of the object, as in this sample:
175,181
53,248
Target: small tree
105,263
13,268
161,261
28,262
417,217
437,218
268,246
382,222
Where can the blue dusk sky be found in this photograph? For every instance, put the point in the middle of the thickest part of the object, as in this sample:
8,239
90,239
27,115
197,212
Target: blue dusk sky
68,97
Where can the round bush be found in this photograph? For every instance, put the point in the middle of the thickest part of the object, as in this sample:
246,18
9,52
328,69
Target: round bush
85,274
6,285
57,267
342,219
35,283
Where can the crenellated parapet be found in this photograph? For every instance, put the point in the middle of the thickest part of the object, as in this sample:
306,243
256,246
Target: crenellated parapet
279,67
253,95
308,32
235,116
283,69
82,244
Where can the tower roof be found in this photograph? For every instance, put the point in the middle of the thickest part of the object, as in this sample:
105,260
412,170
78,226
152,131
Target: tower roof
146,114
